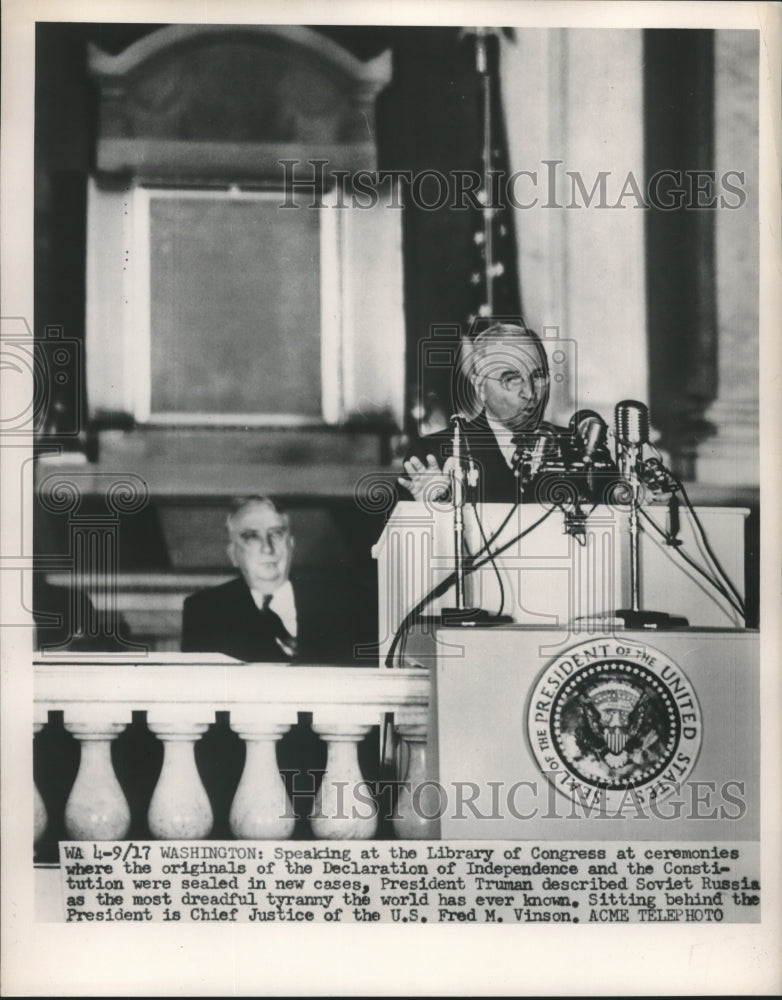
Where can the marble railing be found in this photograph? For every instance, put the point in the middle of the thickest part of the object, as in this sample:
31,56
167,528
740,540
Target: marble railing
181,694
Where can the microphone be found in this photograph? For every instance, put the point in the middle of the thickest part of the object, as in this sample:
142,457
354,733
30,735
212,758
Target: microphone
593,435
658,478
632,433
539,453
457,471
460,439
456,423
457,496
588,430
533,451
632,422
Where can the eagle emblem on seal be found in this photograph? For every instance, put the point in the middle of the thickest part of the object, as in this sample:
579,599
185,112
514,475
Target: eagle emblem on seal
610,715
615,726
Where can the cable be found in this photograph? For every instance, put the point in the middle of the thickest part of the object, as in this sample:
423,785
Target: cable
702,533
445,584
439,589
497,533
486,548
707,546
493,562
523,534
691,562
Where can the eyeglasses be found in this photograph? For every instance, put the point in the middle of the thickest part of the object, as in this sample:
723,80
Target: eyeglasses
513,381
273,538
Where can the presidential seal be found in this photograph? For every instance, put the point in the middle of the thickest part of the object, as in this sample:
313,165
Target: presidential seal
614,724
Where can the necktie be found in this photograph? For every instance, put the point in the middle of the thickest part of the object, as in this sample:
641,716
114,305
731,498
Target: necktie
530,455
287,643
537,452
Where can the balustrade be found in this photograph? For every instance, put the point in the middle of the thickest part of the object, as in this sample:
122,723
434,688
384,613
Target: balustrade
181,695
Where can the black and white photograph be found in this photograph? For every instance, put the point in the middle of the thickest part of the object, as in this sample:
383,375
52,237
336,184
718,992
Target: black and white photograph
390,532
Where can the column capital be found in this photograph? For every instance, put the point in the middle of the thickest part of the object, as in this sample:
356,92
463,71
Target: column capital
178,729
262,717
96,729
259,729
192,718
335,731
96,716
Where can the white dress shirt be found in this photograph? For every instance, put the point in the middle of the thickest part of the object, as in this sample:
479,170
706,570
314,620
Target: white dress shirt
504,439
282,603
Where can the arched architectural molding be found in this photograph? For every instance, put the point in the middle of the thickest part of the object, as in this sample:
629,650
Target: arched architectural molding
196,101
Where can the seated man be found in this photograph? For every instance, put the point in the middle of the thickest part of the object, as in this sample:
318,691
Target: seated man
267,614
515,451
263,615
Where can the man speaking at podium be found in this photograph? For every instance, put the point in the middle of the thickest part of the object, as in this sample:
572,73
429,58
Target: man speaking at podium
508,442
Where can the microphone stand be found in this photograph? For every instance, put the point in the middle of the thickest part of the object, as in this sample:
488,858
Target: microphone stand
634,616
457,495
635,598
461,614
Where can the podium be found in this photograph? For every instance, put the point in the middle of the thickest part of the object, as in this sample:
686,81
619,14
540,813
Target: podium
563,725
551,577
511,730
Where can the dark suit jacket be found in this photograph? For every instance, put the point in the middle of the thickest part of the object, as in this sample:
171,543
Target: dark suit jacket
225,619
497,483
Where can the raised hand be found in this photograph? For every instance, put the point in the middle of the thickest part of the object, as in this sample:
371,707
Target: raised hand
428,481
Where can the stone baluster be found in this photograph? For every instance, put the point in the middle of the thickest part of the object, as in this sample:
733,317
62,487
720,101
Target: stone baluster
344,808
40,819
261,809
180,808
417,813
96,808
263,703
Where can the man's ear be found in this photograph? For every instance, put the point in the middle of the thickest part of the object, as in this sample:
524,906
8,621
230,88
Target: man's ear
230,550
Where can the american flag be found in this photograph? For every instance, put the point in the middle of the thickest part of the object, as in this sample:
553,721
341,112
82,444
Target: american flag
494,275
